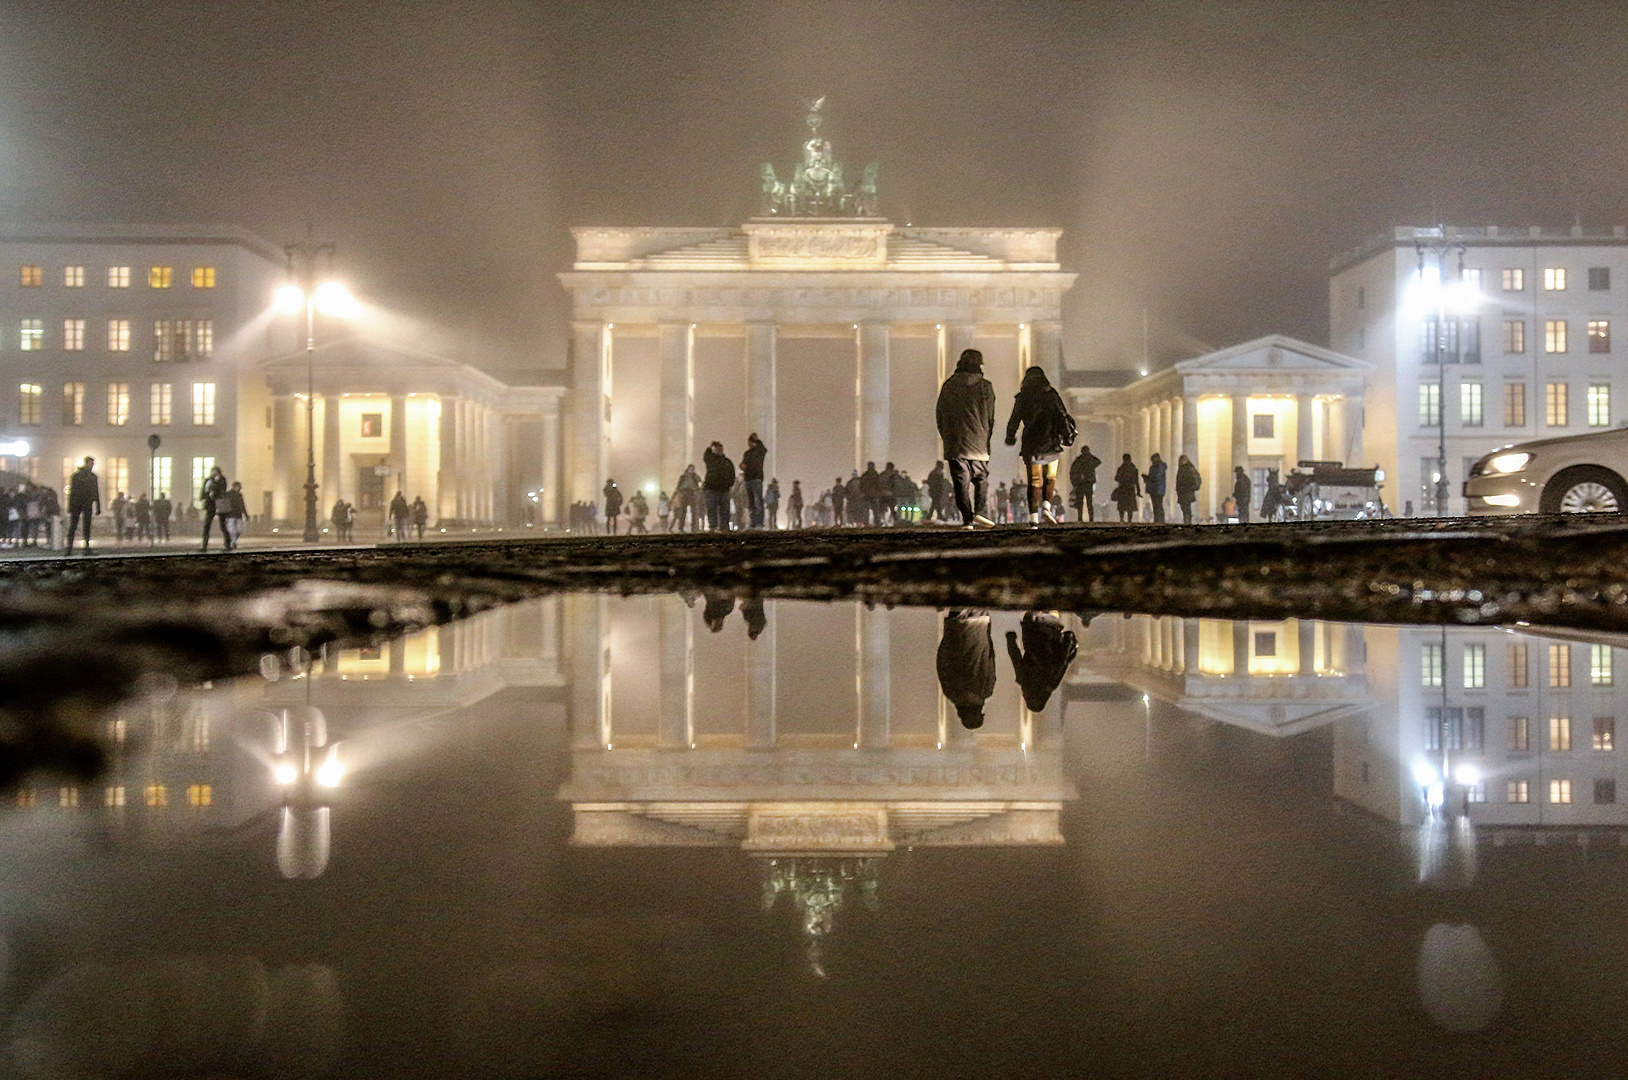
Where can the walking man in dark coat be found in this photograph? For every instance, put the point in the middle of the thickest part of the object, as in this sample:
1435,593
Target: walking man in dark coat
1154,484
84,500
1187,485
966,422
399,513
752,473
966,664
1241,493
1082,480
613,505
720,477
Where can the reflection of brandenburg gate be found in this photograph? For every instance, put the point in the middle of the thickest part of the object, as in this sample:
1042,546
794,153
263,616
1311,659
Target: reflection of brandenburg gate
797,327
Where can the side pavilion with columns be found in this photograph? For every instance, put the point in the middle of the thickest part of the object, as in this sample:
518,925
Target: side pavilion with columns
827,336
1266,404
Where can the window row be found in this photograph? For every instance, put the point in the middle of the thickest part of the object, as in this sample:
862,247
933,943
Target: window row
1517,663
160,397
1555,278
1560,794
32,276
1604,737
1556,404
1458,341
156,796
173,339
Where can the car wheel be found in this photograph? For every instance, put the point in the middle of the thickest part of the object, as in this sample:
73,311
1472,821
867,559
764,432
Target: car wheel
1585,490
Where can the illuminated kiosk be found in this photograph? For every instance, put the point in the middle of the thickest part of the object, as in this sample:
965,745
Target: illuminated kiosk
822,327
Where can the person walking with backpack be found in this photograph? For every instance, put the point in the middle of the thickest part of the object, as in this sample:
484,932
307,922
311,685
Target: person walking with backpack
1187,485
1047,428
966,421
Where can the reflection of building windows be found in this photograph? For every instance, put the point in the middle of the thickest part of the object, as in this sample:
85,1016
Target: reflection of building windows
73,334
68,797
1599,335
1430,660
1514,335
1520,735
1514,404
372,425
1469,404
1264,425
73,404
114,796
1476,792
1560,665
1266,644
1475,666
73,277
1599,405
1599,665
27,798
30,402
1605,733
199,794
118,335
203,277
1429,404
157,795
159,403
118,404
1516,791
31,277
195,732
1557,404
1554,335
118,277
1560,791
31,336
1554,279
161,277
1514,279
203,403
1559,734
1605,791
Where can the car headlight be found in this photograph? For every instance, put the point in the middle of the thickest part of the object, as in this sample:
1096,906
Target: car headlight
1508,463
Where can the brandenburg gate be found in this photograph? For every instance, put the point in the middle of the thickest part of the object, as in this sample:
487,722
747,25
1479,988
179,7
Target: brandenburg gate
819,325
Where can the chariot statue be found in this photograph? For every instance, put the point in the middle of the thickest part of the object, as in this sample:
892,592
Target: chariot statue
817,187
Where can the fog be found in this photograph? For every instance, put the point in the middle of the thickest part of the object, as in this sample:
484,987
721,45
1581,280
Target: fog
1206,159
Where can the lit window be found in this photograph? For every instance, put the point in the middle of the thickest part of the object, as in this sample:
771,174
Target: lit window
114,796
1605,733
1430,665
1599,405
1429,405
1554,279
1476,792
116,471
1605,791
73,404
1559,733
73,277
27,798
73,334
201,467
118,335
1599,335
118,403
202,340
1518,677
31,277
1469,404
68,797
33,335
159,404
163,474
198,794
1475,666
1520,735
1599,665
1599,278
118,277
1556,404
1516,791
157,795
1560,791
30,399
1514,279
1514,404
1264,425
195,732
1472,277
203,403
169,339
1514,335
1560,666
203,277
161,277
1554,335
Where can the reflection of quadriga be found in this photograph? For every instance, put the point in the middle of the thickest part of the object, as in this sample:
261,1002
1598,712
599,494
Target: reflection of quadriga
817,187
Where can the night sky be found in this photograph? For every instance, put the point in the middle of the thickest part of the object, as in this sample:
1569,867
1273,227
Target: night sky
1205,158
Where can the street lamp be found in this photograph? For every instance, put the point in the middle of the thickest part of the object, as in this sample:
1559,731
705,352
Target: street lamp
331,298
1449,298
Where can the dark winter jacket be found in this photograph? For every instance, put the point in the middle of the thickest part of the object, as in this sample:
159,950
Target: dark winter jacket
1187,482
399,508
720,471
966,413
1047,652
966,664
1039,408
1241,488
84,492
1155,479
752,461
613,500
214,489
1083,473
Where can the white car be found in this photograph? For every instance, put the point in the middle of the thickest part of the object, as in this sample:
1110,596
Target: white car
1574,474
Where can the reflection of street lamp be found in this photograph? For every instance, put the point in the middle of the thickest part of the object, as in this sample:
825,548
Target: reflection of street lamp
1448,298
332,298
307,767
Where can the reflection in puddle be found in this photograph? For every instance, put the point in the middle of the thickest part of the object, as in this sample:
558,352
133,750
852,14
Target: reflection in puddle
471,827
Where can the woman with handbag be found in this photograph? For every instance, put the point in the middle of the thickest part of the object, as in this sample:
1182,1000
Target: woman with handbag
216,504
1047,428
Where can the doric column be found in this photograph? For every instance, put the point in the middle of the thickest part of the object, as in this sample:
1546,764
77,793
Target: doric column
1308,646
590,667
548,508
502,449
284,450
958,337
676,727
1240,434
760,688
874,396
1240,647
398,446
873,641
1189,646
677,349
590,451
446,473
1303,430
1351,417
1046,350
760,389
333,473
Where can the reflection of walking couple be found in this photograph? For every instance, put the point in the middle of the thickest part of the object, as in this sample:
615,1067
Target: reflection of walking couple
966,660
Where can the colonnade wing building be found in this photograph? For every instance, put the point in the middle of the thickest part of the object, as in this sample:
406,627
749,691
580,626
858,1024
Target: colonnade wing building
112,334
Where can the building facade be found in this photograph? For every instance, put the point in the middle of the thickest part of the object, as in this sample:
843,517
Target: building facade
1478,337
